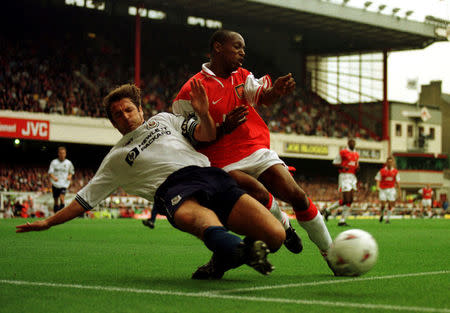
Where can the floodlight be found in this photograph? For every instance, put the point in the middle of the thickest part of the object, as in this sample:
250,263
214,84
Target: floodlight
395,11
408,13
381,7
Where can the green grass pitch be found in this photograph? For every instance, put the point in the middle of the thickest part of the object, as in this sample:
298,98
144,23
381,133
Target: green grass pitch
122,266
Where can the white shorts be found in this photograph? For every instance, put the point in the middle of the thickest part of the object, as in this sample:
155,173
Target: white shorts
426,203
347,182
387,194
256,163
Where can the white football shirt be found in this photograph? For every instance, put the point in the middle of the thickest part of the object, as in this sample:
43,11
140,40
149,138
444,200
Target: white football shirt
142,160
61,170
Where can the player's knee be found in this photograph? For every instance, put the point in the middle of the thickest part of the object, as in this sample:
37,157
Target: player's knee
262,195
192,223
276,238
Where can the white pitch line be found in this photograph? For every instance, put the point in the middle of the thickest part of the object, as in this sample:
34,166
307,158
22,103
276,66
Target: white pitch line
330,282
229,297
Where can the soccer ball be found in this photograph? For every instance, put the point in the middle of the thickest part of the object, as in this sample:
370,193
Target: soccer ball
353,253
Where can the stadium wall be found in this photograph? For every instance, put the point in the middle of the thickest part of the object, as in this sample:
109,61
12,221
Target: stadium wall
54,127
99,131
315,147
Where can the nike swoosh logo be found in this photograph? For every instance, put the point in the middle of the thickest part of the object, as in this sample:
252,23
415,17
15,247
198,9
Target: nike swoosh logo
214,102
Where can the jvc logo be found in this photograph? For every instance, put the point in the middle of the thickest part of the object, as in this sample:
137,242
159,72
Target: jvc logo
34,129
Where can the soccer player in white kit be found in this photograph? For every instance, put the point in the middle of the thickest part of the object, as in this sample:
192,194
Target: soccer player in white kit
387,184
60,171
155,160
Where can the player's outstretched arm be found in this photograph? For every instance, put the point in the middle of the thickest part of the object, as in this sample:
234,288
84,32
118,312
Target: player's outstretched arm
283,85
71,211
206,129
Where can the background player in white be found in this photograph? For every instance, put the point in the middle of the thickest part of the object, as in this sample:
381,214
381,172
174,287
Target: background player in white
387,185
245,153
347,161
60,171
427,201
155,159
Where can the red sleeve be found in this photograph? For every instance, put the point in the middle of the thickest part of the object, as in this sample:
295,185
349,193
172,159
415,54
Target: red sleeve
183,94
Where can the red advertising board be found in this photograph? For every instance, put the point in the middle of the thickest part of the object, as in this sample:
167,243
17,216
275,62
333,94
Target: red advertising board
24,128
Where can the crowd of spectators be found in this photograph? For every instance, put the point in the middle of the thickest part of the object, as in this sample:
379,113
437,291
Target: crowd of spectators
325,189
14,177
48,76
304,113
51,78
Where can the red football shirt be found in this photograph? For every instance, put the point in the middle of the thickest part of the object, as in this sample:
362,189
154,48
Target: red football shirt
240,88
427,193
349,159
387,177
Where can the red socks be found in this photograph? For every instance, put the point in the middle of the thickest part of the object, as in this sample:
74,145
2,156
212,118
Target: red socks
307,215
269,204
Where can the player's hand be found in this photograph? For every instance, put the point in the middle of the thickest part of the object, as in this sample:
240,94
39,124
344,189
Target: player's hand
35,226
199,98
55,179
234,118
284,85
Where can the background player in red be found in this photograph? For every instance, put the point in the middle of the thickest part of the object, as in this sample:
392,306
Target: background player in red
427,200
245,153
387,184
347,161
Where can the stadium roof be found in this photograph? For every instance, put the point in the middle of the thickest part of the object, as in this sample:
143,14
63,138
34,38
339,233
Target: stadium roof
319,27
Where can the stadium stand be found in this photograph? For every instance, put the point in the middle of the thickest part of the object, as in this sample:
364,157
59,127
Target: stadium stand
37,78
66,70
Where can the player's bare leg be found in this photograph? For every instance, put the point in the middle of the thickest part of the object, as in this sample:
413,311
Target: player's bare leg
257,190
256,223
421,215
61,201
281,184
383,205
332,209
347,197
389,212
55,205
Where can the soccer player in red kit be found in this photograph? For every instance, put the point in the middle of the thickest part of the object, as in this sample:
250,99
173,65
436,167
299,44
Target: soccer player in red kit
245,152
347,161
427,199
387,181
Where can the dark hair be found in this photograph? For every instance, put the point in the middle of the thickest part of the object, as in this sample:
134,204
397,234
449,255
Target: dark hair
125,91
390,157
220,36
61,148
